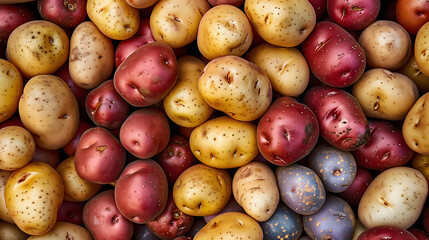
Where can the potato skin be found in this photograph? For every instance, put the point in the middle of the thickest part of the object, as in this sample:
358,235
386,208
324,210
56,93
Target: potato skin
64,230
17,147
415,127
4,213
421,49
11,232
11,85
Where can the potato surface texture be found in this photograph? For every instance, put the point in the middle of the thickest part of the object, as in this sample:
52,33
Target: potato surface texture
11,86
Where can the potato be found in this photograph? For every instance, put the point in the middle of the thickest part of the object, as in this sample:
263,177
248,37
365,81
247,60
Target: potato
175,22
184,104
255,188
75,188
412,70
11,86
395,197
34,194
141,3
421,49
282,23
4,213
17,147
115,18
64,230
224,142
286,67
91,56
10,231
231,225
38,47
236,86
202,190
421,163
49,110
384,94
416,126
224,30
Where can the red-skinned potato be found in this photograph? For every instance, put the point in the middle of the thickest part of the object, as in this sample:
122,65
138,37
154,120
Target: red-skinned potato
51,157
319,7
141,191
333,55
103,219
71,212
70,147
353,15
236,3
386,232
426,219
412,14
354,192
11,16
99,156
66,13
418,233
141,3
145,132
147,75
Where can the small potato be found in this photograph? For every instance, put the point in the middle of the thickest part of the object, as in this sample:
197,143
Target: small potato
17,147
11,86
421,163
231,225
416,126
38,47
4,213
286,67
75,188
184,104
421,49
91,56
64,230
224,30
384,94
395,197
175,22
10,231
49,110
236,86
115,18
255,188
224,142
412,70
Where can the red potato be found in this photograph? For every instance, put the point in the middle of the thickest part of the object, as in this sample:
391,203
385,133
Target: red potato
51,157
66,13
333,55
412,14
354,192
418,233
99,156
70,148
11,16
319,7
236,3
141,191
147,75
353,15
71,212
386,232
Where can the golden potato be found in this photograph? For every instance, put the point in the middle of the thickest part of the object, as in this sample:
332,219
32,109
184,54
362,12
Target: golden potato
11,86
421,163
10,231
421,49
17,147
65,230
416,126
412,70
141,3
4,213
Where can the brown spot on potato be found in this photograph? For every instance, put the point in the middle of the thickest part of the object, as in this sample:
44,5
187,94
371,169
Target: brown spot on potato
101,148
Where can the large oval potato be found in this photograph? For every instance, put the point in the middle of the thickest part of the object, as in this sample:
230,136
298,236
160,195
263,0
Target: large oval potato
224,142
38,47
17,147
64,230
11,86
395,197
416,126
49,110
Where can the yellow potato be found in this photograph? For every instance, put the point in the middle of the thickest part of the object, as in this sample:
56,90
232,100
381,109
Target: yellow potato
11,86
115,18
141,3
65,230
286,67
38,47
49,110
175,22
224,30
9,231
231,225
4,213
92,58
421,163
412,70
416,126
384,94
421,49
17,147
184,104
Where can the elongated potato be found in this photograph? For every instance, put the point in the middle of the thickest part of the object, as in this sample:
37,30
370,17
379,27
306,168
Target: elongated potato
416,126
11,86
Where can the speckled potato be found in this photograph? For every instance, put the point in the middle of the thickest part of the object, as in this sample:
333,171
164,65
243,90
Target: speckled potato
386,45
254,187
10,231
34,194
224,30
175,22
416,126
75,188
17,147
395,197
184,104
202,190
38,47
236,86
421,163
412,70
91,56
4,213
64,230
286,67
224,142
279,22
421,49
115,18
231,225
11,86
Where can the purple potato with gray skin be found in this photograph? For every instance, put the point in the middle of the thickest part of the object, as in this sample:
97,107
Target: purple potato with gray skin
341,119
353,15
300,189
283,224
335,220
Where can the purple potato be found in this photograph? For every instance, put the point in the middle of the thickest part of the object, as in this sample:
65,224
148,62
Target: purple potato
283,224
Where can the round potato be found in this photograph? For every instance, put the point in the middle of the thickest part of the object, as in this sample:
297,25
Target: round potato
49,110
4,213
175,22
38,47
11,86
286,67
384,94
236,86
412,70
17,147
416,126
64,230
184,104
224,30
231,225
224,142
10,231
